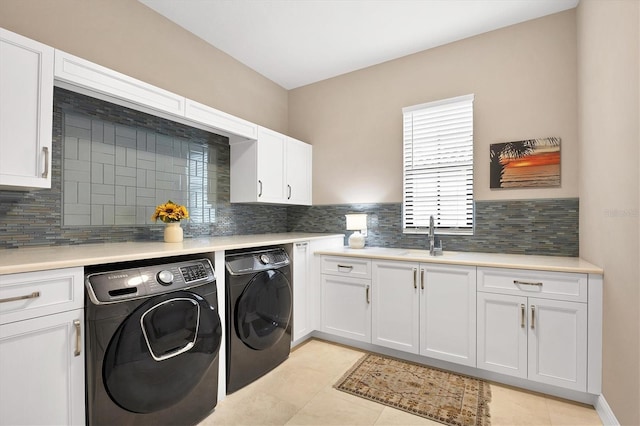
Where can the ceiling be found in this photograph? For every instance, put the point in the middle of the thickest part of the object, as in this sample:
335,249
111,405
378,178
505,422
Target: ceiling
299,42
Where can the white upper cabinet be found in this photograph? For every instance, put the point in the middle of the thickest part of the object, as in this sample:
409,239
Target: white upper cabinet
26,112
216,119
83,74
275,169
299,172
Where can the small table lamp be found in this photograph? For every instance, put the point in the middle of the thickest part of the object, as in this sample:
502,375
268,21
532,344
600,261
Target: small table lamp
357,223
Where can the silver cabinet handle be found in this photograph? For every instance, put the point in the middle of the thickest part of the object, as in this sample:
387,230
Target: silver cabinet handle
533,317
260,188
367,292
522,314
415,278
289,192
349,267
517,282
76,324
422,279
33,295
45,174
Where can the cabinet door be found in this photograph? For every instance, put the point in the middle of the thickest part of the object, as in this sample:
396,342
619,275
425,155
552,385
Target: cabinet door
42,370
26,112
301,291
395,305
346,307
271,181
502,334
558,343
448,313
299,164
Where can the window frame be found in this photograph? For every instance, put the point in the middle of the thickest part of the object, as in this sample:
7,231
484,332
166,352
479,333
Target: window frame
462,168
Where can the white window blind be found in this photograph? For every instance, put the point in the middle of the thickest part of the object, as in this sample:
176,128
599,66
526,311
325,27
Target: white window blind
438,166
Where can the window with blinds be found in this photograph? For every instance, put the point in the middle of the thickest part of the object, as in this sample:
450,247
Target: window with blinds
438,166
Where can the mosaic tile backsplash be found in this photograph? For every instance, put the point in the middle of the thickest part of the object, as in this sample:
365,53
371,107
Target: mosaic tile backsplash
541,226
73,211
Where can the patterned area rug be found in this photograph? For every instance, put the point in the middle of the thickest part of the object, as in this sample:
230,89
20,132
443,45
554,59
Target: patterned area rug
438,395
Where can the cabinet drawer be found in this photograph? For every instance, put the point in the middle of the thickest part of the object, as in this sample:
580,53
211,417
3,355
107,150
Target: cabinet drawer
346,266
543,284
34,294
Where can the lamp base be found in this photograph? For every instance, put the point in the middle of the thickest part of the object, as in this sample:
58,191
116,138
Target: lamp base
356,240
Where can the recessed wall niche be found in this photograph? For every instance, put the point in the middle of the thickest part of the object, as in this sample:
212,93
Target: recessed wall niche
114,174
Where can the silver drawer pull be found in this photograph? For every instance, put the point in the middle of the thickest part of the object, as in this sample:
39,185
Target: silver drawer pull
516,282
76,325
26,296
349,267
522,314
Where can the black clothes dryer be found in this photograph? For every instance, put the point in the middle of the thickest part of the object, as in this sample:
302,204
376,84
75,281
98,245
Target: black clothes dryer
259,306
153,337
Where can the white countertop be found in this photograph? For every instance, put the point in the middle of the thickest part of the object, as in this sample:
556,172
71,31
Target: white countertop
496,260
31,259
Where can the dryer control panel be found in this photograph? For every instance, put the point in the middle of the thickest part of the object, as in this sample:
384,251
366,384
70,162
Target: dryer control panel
256,261
146,280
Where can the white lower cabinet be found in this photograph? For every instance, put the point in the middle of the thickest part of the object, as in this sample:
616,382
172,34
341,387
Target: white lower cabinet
346,307
425,309
396,305
42,378
345,299
540,326
448,313
42,348
302,313
535,338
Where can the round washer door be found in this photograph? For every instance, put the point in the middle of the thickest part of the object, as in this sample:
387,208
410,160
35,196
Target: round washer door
161,351
263,310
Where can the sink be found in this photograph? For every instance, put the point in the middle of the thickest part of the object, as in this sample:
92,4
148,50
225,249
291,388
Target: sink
407,252
401,252
422,253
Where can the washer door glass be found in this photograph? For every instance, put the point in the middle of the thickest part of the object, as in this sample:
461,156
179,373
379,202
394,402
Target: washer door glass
263,310
161,351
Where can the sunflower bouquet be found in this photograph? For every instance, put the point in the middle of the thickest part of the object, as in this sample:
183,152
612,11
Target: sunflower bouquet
170,212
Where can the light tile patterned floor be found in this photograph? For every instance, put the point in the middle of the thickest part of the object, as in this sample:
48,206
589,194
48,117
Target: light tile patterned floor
300,392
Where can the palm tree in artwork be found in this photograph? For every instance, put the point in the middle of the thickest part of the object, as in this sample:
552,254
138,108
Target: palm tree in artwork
518,149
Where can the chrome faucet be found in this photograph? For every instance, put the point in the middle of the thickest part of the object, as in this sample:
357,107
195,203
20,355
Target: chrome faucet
432,236
433,250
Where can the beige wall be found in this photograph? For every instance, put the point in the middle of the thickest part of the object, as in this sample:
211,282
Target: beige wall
523,78
609,113
128,37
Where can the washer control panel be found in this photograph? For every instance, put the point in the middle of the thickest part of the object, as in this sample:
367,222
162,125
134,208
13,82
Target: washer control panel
145,280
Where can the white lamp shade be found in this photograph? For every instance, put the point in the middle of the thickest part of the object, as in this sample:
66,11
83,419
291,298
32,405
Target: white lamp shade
356,222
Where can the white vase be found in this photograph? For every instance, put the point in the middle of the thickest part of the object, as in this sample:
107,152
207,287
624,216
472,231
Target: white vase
173,232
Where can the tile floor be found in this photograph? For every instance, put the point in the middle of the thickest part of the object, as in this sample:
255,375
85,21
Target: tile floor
300,392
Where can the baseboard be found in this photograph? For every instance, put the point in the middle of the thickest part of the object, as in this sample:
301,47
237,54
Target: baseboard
605,412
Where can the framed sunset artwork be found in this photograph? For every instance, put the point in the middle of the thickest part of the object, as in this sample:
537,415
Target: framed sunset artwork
532,163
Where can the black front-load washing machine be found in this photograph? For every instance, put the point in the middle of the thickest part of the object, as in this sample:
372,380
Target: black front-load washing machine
153,337
259,306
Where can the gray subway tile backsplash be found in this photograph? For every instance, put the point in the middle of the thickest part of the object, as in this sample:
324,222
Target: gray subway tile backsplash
119,163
